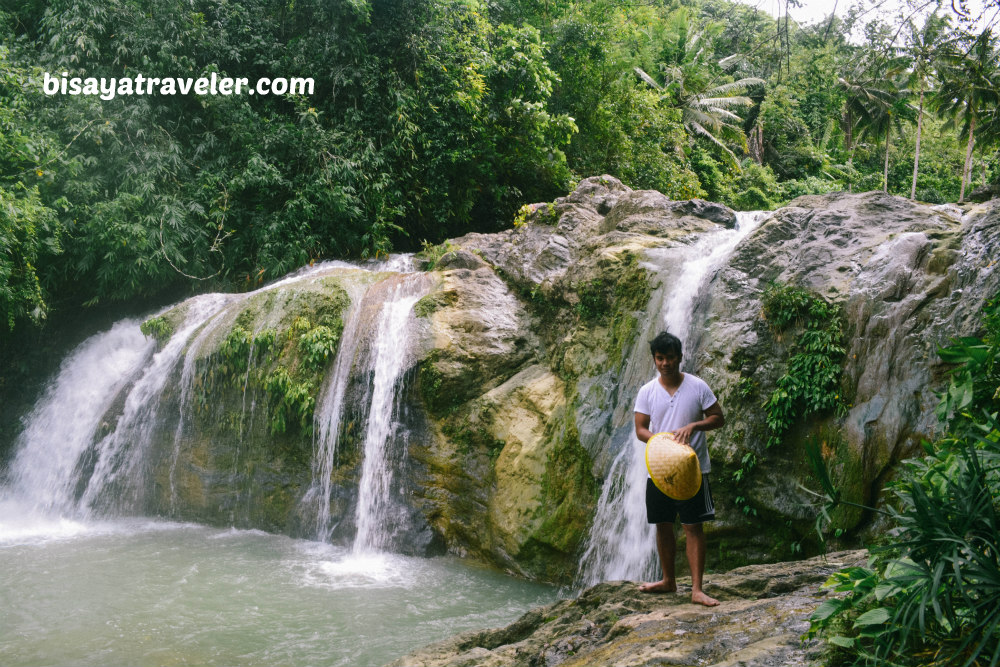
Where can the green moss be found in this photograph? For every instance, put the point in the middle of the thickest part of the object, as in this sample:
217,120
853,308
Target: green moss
287,362
632,292
434,301
469,437
430,381
568,494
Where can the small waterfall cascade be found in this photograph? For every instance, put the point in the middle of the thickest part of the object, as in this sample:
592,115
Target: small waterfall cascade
69,415
329,415
85,451
374,352
57,446
376,516
621,543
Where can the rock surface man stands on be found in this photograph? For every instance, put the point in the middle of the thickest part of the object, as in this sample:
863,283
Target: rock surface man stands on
684,405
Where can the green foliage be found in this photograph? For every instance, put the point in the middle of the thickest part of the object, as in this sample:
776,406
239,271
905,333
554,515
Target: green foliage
318,346
293,402
432,118
788,147
30,231
624,130
159,328
432,254
975,382
931,595
811,383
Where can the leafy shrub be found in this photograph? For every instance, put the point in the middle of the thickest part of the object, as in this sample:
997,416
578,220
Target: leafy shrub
157,327
931,595
318,345
811,383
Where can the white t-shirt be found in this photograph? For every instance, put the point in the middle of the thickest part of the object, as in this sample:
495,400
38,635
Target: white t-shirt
667,413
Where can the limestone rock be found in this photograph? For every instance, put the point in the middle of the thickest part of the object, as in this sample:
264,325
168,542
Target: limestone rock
763,613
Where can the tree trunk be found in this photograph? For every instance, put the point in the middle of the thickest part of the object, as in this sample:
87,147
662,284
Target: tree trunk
916,151
967,167
885,171
850,151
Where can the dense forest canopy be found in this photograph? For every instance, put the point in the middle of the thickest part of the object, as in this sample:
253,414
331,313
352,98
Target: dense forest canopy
431,118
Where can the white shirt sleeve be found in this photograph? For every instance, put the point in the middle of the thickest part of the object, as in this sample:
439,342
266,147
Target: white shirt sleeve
708,399
642,402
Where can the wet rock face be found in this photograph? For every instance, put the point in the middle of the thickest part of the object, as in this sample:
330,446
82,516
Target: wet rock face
908,277
523,359
763,613
532,343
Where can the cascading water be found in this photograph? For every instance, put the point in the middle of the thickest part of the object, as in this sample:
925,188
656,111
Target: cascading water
75,458
621,543
124,418
42,479
374,346
328,417
117,478
375,516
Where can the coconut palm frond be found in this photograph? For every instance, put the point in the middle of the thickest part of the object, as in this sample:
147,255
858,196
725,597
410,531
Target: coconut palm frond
702,132
723,102
648,79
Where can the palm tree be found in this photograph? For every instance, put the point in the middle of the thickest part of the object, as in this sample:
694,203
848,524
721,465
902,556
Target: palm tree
865,103
969,91
925,46
875,102
691,85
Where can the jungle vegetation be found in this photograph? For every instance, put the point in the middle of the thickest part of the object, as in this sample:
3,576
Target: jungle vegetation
431,118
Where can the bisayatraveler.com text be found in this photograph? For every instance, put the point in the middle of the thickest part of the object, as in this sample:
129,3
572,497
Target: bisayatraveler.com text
107,88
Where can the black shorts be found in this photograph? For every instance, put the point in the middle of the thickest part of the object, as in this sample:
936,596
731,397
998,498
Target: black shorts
661,508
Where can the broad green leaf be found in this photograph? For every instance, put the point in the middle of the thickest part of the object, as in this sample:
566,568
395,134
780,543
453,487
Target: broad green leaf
840,640
873,617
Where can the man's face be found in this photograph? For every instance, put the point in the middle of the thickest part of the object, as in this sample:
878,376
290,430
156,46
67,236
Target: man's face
667,365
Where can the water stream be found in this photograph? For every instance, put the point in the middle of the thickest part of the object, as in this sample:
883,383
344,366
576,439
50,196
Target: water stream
621,543
88,580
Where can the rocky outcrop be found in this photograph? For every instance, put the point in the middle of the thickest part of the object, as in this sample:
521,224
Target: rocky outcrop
763,614
909,277
529,346
591,273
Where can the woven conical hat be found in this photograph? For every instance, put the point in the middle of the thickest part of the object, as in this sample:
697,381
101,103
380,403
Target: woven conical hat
673,466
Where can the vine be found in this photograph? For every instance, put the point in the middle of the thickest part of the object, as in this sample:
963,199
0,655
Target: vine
810,384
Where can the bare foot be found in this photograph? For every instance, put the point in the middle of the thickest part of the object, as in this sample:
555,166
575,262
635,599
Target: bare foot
699,597
662,586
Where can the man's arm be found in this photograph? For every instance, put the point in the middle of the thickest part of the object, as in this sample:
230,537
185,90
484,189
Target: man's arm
713,419
642,427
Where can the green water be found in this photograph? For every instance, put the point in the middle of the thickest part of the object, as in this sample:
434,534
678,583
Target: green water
143,593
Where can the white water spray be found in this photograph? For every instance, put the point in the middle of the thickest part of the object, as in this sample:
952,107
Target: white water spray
65,421
621,543
389,356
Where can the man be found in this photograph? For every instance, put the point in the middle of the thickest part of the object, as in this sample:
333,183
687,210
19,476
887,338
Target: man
683,404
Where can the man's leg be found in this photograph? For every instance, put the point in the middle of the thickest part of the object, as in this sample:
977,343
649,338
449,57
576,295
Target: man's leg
696,546
666,547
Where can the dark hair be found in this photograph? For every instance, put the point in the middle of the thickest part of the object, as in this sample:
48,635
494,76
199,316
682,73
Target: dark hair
666,344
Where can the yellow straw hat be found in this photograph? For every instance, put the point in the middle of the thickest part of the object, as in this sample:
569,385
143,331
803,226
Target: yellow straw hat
673,466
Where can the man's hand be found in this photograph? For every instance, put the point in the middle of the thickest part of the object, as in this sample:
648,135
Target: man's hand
684,433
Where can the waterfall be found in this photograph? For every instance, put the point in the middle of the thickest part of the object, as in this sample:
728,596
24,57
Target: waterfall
328,417
118,465
621,544
374,348
85,450
375,517
68,416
